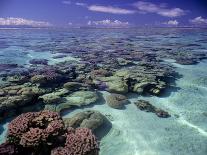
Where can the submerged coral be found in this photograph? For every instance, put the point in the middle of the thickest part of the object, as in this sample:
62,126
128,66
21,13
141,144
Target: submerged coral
39,61
116,101
44,132
86,119
146,106
79,141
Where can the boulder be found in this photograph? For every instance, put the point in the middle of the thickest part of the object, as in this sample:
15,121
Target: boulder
72,85
116,101
146,106
54,97
86,119
80,98
41,79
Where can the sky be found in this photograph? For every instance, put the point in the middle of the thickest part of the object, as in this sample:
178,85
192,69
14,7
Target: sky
106,13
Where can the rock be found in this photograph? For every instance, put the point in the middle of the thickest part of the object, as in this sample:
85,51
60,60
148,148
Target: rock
139,87
80,98
50,107
50,98
116,101
99,73
162,113
17,79
39,61
41,79
2,92
87,119
54,97
19,96
124,62
146,106
63,106
115,84
72,85
12,92
117,87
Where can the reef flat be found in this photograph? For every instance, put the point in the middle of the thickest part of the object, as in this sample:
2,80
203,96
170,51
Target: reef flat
132,91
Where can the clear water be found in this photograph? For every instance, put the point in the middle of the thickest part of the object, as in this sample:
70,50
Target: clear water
133,132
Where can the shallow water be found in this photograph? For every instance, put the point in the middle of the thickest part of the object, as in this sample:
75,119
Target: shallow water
140,133
133,132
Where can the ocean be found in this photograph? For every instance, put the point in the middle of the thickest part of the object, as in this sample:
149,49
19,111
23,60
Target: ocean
131,131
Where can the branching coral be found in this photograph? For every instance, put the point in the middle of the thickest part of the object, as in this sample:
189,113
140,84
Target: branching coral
33,129
44,133
78,142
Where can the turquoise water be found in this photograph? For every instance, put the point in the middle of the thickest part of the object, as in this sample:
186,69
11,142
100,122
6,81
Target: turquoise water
133,132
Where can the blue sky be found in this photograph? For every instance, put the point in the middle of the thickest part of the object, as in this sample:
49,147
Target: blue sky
115,13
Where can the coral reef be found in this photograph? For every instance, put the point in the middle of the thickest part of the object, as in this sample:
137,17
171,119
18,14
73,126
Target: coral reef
8,149
17,96
80,98
86,119
116,101
79,141
39,61
44,132
146,106
72,86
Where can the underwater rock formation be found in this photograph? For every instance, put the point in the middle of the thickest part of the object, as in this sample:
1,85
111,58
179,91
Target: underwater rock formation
80,98
113,84
72,86
146,106
7,66
40,79
86,119
39,61
54,97
44,132
17,96
116,101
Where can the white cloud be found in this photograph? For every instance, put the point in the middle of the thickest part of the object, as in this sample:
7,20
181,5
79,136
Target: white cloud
80,4
110,9
66,2
171,23
199,20
109,23
22,22
161,9
70,23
